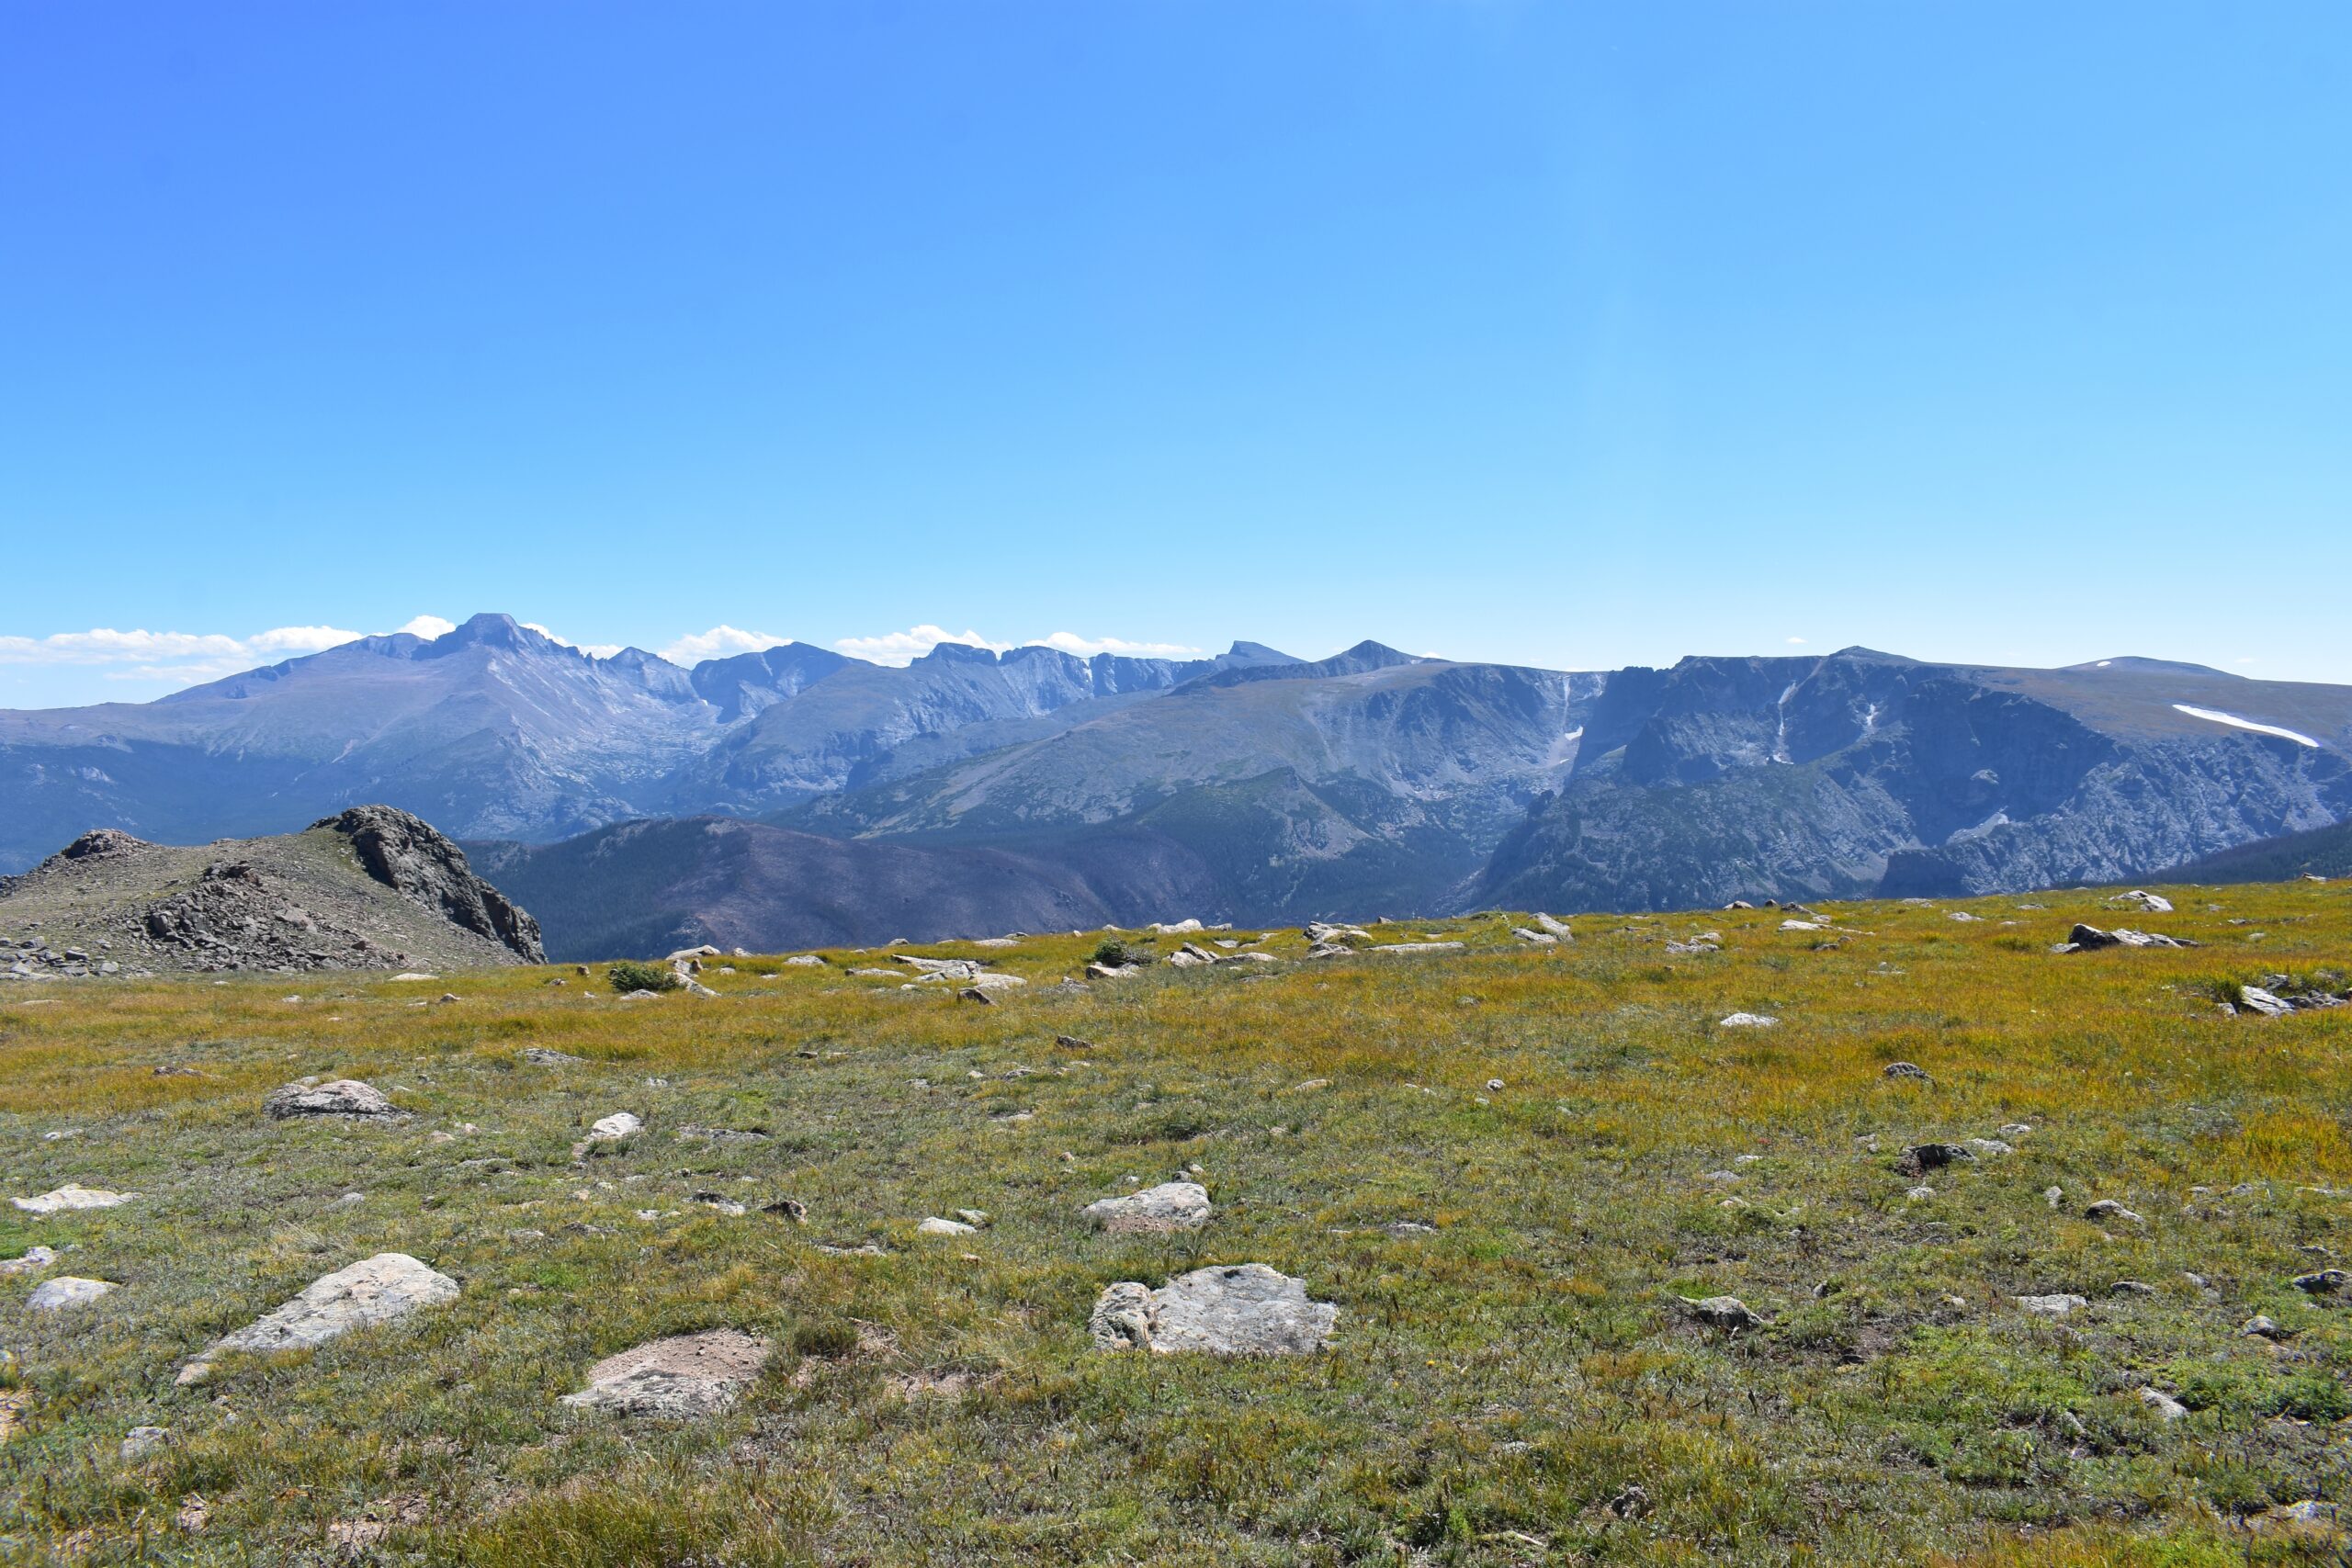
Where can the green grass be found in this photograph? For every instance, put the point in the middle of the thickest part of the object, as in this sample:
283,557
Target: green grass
1492,1388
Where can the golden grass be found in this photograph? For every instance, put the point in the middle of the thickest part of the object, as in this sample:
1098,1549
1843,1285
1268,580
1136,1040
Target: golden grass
1494,1386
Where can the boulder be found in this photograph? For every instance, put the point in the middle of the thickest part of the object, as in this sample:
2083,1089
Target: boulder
1236,1310
347,1098
35,1259
1554,928
375,1290
1540,938
1920,1159
2056,1305
1748,1021
676,1379
72,1196
613,1128
65,1290
2166,1408
2154,903
1171,1206
2253,998
1721,1312
2326,1282
935,1226
2108,1209
1911,1070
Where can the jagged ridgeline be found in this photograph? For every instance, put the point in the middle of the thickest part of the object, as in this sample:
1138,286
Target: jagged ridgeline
372,887
800,797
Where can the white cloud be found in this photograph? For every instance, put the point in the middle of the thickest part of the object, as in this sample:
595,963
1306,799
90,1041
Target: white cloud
1796,642
906,647
182,658
1086,648
428,627
717,643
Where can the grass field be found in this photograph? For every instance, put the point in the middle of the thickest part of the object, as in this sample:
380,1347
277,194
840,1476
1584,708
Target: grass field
1494,1385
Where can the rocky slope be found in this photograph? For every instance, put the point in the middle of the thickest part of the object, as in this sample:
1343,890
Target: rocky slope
371,888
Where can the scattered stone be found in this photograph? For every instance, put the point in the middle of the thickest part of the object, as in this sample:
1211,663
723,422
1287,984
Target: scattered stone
374,1290
1554,928
1911,1070
2130,1288
2154,903
805,961
2054,1196
1633,1502
677,1379
1072,1043
2108,1209
1921,1194
2260,1326
540,1056
2253,998
1237,1310
720,1201
35,1259
1990,1148
1169,1207
1748,1021
976,994
1721,1312
65,1290
347,1098
2310,1522
1920,1159
2325,1282
140,1441
792,1209
2167,1408
612,1129
1540,938
194,1375
2090,939
935,1226
73,1196
2058,1305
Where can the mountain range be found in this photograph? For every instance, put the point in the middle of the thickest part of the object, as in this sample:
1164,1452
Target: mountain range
795,796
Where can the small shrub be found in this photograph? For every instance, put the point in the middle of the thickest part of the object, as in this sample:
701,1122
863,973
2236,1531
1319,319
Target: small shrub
1117,954
627,977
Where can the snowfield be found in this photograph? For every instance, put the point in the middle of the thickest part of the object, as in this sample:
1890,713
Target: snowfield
2216,716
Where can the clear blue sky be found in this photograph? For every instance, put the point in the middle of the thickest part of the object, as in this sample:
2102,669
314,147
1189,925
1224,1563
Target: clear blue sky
1570,335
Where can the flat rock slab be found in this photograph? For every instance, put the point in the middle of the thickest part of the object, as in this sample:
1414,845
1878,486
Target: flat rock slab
344,1098
35,1259
1169,1207
1242,1309
69,1197
374,1290
65,1290
677,1379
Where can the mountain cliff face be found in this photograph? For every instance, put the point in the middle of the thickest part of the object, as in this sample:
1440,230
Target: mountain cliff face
1014,789
1861,774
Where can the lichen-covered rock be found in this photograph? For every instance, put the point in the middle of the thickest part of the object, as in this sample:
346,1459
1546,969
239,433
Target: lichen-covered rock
1242,1309
1169,1207
375,1290
675,1378
347,1098
66,1290
72,1196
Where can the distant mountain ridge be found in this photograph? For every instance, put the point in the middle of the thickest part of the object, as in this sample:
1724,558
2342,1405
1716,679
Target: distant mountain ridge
1252,786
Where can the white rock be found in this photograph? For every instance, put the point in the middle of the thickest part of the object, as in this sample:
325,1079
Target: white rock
2052,1306
2167,1408
1239,1310
1169,1207
1541,939
66,1290
140,1441
612,1129
72,1196
935,1226
805,961
685,1376
1180,928
375,1290
415,975
1551,927
1748,1020
35,1259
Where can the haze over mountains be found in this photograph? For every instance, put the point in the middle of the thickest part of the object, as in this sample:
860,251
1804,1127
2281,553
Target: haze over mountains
820,798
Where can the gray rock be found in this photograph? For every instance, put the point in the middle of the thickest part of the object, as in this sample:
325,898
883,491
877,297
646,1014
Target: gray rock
1721,1312
1169,1207
344,1098
2260,1326
2057,1305
375,1290
35,1259
1748,1021
1920,1159
613,1128
2167,1408
2325,1282
2130,1288
1990,1148
65,1290
1911,1070
676,1379
1237,1310
935,1226
69,1197
1554,928
2253,998
140,1441
2108,1209
540,1056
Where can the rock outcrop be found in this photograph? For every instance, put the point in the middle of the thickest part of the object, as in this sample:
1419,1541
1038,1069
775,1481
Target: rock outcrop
1238,1310
374,1290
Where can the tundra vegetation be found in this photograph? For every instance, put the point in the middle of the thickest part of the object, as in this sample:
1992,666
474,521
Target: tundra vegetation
1525,1175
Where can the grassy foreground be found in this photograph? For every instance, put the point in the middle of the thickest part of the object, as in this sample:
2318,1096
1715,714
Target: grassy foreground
1494,1385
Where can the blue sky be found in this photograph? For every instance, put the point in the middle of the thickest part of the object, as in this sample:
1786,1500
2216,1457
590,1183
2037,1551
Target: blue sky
1577,335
